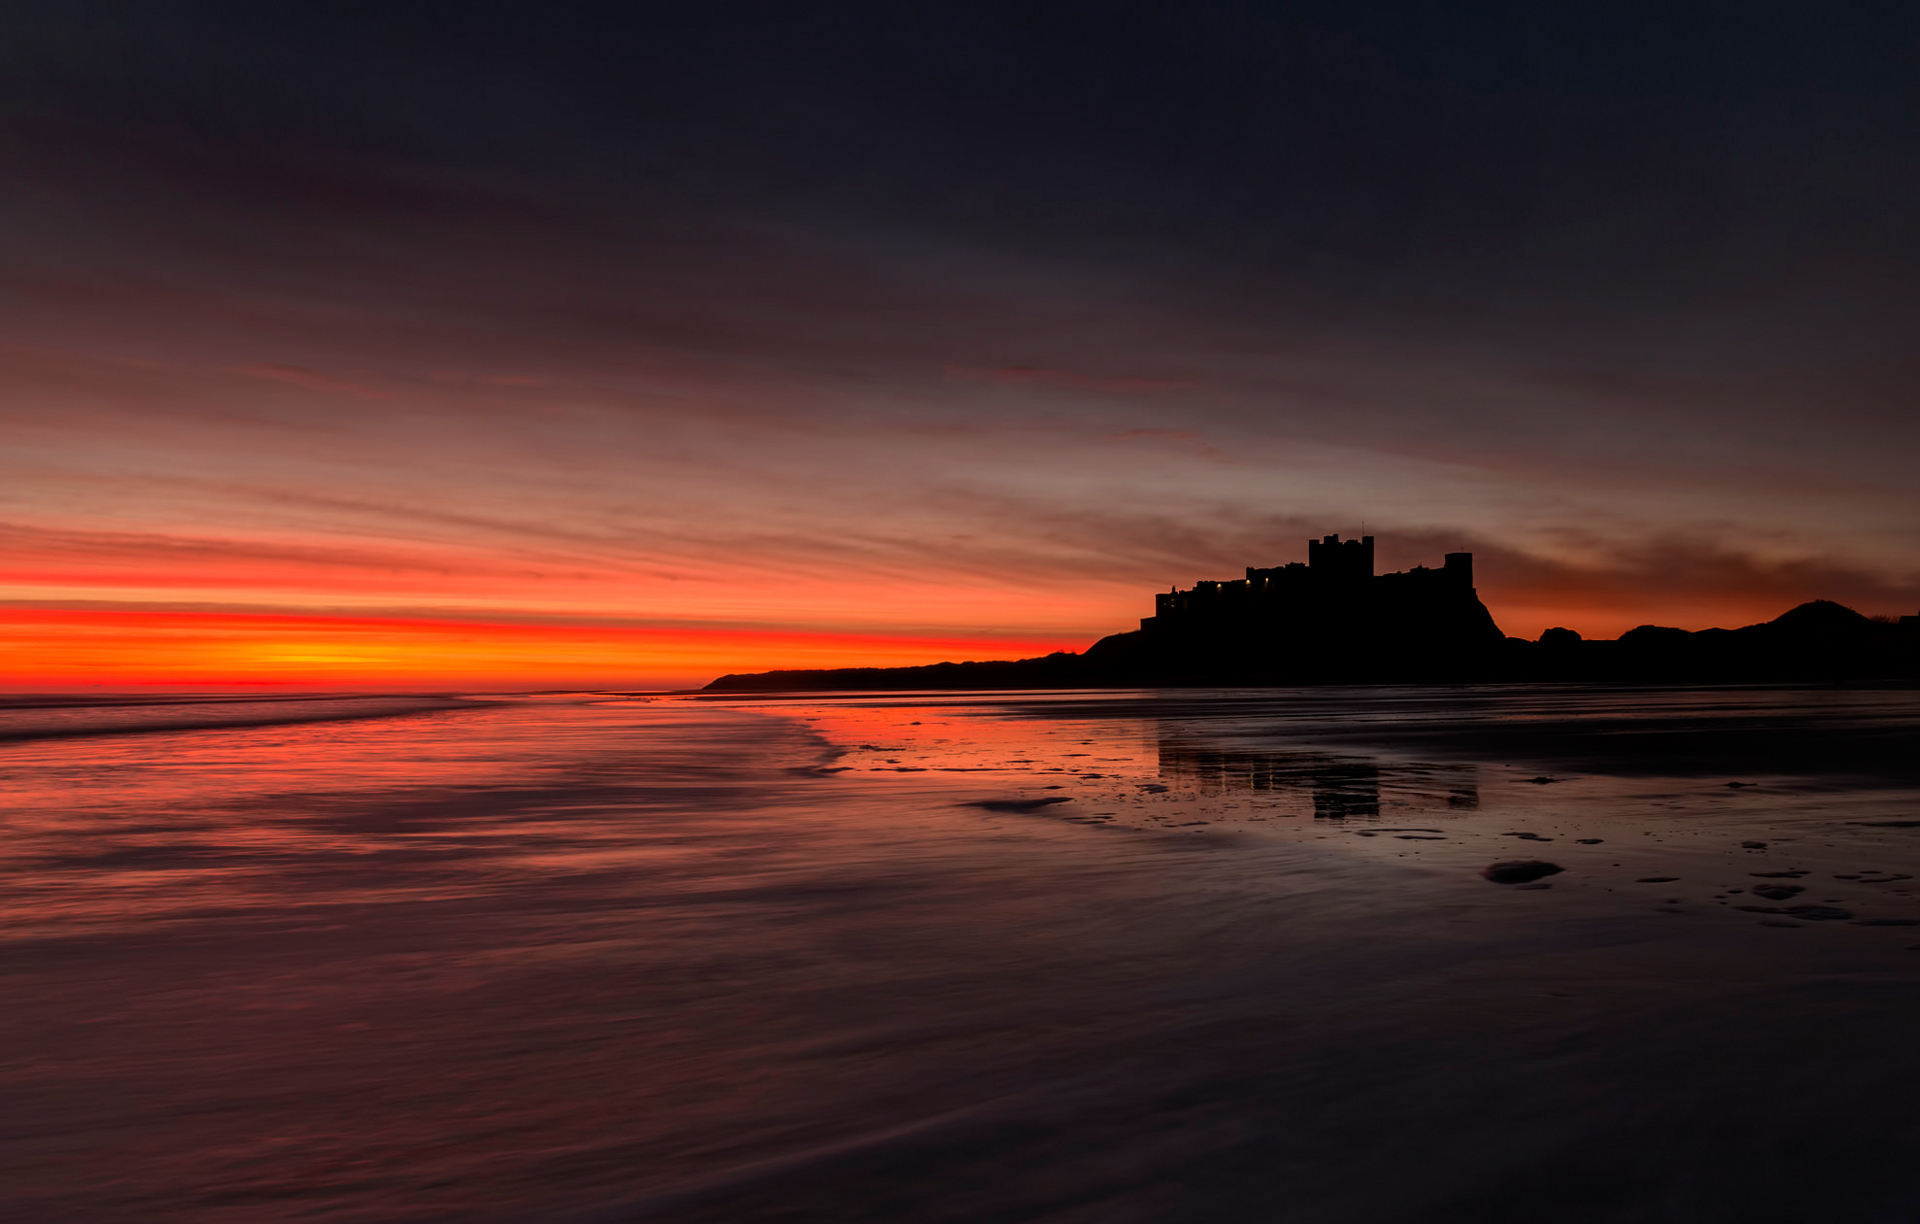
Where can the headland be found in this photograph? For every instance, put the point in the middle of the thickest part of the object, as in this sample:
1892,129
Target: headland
1332,620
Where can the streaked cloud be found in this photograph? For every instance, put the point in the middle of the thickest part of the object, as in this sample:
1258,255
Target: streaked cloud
940,342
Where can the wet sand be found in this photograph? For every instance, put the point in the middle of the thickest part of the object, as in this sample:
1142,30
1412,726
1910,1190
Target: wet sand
1067,957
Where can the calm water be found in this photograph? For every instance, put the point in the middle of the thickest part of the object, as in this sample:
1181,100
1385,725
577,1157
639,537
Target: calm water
1065,957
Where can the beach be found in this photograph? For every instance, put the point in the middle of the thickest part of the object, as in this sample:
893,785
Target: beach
1213,955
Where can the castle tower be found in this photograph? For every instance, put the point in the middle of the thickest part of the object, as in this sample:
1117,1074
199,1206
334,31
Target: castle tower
1337,562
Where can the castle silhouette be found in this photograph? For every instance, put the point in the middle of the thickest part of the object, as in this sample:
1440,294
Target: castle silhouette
1332,620
1332,614
1335,571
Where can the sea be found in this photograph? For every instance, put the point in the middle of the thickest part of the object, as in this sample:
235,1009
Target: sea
1076,957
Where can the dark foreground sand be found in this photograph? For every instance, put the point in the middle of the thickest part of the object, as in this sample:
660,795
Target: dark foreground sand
601,960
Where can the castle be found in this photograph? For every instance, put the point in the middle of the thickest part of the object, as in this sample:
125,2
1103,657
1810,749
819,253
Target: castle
1331,615
1337,572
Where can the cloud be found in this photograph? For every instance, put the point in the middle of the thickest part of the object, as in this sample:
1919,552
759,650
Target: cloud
309,380
1069,380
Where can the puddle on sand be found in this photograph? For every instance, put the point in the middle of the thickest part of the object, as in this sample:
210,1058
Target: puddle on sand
1254,772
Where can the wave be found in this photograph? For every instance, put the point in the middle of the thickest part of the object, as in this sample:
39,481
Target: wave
43,718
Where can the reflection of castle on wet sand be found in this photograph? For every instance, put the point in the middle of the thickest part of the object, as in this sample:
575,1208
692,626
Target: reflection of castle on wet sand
1341,787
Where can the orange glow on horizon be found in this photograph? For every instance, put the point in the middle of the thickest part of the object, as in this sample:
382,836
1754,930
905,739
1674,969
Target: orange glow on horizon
54,649
44,649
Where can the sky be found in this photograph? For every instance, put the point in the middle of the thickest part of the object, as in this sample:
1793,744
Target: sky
507,345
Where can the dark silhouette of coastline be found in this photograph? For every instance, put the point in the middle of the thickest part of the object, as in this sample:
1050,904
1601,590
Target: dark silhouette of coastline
1333,620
